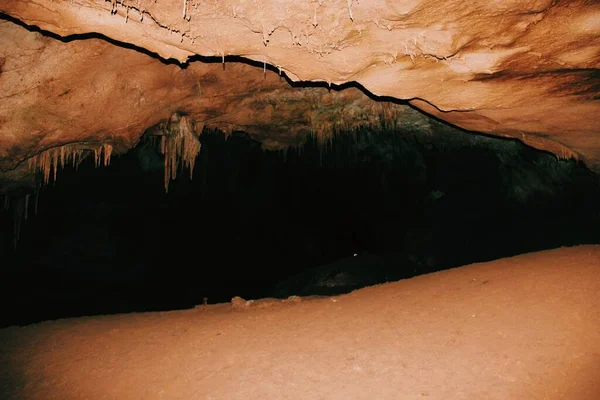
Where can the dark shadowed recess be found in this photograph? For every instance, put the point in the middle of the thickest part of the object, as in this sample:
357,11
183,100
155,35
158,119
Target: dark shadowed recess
256,223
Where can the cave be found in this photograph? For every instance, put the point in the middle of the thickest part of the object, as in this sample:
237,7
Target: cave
369,206
333,199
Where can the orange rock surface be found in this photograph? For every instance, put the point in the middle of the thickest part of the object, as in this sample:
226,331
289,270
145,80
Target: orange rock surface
105,71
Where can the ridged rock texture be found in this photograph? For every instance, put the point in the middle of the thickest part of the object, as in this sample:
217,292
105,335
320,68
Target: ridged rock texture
93,75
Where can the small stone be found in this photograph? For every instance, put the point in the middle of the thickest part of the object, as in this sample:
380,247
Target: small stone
237,303
294,299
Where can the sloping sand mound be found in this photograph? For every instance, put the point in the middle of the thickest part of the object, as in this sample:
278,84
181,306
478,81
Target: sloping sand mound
526,327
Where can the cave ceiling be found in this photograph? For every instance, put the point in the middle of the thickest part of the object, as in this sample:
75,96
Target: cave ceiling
94,75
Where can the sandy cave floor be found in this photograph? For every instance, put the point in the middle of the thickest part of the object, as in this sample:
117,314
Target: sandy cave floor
526,327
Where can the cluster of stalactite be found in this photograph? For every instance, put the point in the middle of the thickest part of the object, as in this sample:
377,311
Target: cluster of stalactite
180,145
48,163
52,159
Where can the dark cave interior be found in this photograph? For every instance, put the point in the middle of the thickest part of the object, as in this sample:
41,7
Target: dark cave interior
368,206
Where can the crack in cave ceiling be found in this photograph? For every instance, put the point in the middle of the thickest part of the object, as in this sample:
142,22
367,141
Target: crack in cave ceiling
82,76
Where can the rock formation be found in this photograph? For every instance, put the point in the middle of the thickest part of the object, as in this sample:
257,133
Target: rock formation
90,76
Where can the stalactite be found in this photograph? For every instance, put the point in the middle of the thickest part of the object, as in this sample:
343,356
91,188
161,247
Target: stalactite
180,146
102,155
41,162
49,161
164,149
19,206
20,211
